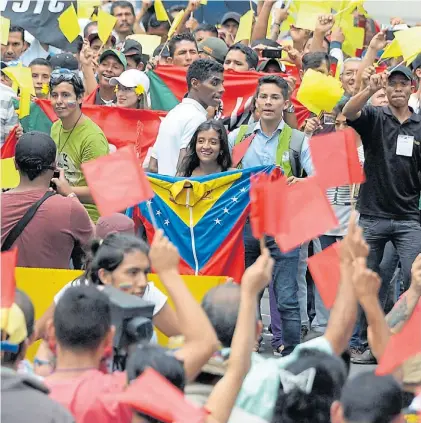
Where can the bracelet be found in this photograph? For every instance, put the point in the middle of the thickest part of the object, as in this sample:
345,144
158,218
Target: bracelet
276,24
291,109
72,195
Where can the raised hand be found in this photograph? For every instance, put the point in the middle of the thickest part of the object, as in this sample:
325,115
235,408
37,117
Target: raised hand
378,42
366,282
163,254
311,125
259,274
366,75
353,245
325,23
377,82
416,274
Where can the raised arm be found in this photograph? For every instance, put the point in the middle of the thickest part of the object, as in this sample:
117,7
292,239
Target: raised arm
222,399
200,338
261,25
323,26
344,313
352,109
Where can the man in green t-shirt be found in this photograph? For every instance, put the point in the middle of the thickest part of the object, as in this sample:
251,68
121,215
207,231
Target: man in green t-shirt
77,137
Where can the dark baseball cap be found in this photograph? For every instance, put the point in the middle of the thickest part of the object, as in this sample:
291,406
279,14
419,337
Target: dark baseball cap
215,48
131,47
234,16
39,146
402,70
163,50
263,65
64,61
117,54
369,398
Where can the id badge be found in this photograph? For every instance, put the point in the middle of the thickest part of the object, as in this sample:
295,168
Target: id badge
405,145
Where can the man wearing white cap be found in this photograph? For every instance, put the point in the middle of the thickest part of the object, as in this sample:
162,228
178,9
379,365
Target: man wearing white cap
132,89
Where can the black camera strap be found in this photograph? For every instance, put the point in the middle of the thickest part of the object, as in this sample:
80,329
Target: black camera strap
21,225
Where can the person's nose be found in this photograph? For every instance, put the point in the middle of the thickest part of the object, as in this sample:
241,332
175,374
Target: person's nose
9,50
38,79
189,57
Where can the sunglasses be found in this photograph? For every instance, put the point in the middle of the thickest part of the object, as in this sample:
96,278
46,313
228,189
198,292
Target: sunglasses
64,74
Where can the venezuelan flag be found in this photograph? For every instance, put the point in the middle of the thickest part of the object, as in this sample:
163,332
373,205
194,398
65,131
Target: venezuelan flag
204,217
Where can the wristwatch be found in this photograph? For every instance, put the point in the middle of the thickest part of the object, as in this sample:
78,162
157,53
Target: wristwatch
291,109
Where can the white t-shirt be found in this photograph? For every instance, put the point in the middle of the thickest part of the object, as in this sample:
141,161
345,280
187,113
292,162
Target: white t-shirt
152,294
415,102
175,132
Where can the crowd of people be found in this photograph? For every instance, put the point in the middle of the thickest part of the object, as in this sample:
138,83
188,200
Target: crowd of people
213,360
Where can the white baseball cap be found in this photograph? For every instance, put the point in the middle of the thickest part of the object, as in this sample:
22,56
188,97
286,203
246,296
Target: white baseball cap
132,78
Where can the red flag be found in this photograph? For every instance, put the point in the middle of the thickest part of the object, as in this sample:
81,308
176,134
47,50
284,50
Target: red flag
335,159
117,181
9,146
325,270
304,212
402,345
120,125
8,281
257,204
240,150
152,394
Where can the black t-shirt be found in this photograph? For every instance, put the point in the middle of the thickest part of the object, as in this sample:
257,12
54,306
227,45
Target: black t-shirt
392,187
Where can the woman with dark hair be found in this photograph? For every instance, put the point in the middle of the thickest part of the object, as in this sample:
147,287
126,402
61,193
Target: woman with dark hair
208,151
120,260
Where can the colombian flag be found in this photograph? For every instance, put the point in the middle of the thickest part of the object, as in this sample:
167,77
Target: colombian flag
203,217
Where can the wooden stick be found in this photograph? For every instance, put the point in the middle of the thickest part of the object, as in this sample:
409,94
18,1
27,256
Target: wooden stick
262,244
251,6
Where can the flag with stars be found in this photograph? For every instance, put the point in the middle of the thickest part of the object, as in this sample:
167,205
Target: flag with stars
203,217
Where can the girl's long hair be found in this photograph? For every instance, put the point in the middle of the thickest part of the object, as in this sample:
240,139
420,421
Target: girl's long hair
191,160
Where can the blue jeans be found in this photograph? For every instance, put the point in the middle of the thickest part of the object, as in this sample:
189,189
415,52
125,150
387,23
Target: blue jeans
284,285
319,323
405,236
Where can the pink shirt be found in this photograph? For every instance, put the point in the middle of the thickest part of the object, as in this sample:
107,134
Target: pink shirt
49,238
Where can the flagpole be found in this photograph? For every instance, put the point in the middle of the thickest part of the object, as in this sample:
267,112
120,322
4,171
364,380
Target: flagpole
153,220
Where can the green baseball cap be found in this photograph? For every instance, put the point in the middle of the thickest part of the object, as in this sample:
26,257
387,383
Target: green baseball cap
117,54
215,48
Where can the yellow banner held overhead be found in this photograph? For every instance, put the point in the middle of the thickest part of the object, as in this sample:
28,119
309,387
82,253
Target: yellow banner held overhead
4,27
410,43
309,12
318,92
245,27
176,23
149,42
21,76
106,24
85,8
41,285
160,12
69,24
392,50
24,103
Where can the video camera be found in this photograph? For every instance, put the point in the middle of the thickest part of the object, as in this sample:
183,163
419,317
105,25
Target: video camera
132,318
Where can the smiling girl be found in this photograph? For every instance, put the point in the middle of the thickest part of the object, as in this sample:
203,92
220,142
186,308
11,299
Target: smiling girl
208,151
132,88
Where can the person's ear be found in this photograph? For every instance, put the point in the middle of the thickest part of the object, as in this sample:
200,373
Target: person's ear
105,276
286,105
336,412
195,83
169,60
301,73
108,341
140,66
51,333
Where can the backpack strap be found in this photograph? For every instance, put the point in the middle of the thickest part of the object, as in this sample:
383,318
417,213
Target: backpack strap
21,225
295,146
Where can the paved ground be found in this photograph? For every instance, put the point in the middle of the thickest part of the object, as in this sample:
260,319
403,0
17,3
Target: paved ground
266,349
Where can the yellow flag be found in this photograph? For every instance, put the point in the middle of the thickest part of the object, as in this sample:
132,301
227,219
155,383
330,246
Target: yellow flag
354,40
318,92
160,12
106,24
175,23
309,12
246,25
68,24
5,26
85,8
24,103
392,50
149,42
286,24
22,76
410,42
203,2
9,175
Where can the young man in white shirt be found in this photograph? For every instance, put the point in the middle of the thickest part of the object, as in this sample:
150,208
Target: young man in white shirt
205,84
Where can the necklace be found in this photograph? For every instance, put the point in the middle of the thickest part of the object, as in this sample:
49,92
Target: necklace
67,139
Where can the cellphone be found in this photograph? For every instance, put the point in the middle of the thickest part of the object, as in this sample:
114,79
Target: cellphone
390,35
328,119
56,174
272,53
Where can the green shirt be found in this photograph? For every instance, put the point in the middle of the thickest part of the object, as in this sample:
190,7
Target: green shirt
86,142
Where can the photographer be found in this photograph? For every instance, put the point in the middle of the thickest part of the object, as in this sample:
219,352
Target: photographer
83,336
59,223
